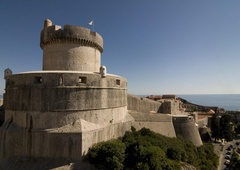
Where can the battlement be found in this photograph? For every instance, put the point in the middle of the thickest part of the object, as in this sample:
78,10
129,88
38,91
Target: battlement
70,34
72,48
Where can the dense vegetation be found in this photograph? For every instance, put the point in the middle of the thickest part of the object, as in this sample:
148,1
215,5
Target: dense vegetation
222,127
144,149
235,161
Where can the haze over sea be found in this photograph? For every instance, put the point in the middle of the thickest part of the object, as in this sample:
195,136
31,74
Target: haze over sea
226,101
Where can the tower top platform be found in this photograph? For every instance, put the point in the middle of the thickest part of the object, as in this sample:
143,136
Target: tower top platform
70,34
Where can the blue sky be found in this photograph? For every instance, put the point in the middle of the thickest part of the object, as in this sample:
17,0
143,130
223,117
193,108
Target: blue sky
160,46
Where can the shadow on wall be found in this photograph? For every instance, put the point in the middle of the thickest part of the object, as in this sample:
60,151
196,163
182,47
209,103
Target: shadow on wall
1,115
40,163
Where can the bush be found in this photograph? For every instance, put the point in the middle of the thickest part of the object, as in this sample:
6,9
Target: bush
110,154
147,150
176,153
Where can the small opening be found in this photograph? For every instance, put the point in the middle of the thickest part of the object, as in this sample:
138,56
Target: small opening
38,80
82,80
118,82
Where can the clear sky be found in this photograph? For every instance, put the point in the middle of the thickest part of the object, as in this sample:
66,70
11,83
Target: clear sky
160,46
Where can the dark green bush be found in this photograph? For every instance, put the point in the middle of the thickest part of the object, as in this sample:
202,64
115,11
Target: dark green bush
110,154
146,150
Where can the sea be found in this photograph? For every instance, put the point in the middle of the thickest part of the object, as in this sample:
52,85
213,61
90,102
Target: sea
226,101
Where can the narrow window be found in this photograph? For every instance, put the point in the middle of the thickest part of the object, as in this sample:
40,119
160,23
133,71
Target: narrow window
38,80
117,82
82,80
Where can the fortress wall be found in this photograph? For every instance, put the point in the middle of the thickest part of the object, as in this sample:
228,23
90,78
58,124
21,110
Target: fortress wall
40,144
64,97
165,107
23,91
71,57
70,142
171,106
71,48
142,104
107,133
159,123
48,120
53,32
163,128
185,126
203,122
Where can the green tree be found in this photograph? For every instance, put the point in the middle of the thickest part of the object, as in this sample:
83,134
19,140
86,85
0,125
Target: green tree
237,128
215,127
235,161
226,128
208,159
176,153
147,150
110,154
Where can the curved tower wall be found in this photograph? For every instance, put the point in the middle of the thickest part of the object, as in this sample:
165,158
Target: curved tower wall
62,98
70,105
185,126
72,48
71,57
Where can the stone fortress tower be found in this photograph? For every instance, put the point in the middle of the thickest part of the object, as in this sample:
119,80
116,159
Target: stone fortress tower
73,103
70,105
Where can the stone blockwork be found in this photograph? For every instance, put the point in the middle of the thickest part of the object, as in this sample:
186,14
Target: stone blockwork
73,103
72,48
185,126
147,113
69,106
142,104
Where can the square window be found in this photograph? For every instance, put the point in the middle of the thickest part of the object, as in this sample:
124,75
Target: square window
38,80
117,82
82,80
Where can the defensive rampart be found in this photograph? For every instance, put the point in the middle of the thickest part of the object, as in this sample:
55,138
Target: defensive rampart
69,106
142,104
73,103
72,48
146,114
185,126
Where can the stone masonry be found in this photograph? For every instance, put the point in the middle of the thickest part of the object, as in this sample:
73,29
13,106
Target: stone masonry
73,102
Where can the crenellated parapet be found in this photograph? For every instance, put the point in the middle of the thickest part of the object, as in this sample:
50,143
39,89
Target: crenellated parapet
72,48
52,34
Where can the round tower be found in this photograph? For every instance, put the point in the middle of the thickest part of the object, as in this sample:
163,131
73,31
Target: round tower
72,48
72,101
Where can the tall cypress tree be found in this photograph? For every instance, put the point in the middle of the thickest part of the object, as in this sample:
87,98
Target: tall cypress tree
226,127
215,127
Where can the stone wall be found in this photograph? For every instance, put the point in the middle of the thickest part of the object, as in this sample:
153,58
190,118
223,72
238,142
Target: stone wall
185,126
141,104
72,48
54,114
69,142
159,123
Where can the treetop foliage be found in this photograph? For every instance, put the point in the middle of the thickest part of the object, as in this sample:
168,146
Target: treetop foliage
146,150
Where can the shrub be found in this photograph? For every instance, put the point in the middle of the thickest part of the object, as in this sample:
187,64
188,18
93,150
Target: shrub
110,154
147,150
